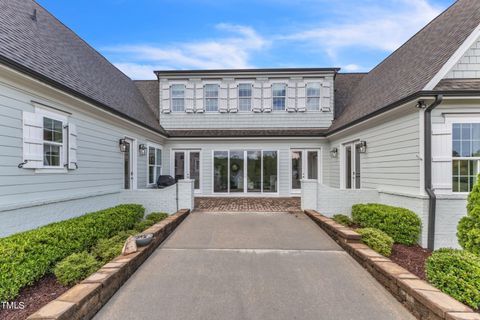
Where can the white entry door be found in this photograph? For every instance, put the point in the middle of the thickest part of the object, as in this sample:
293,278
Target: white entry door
187,165
129,165
352,166
305,164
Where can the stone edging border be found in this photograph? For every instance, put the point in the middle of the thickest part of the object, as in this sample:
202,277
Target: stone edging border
420,298
85,299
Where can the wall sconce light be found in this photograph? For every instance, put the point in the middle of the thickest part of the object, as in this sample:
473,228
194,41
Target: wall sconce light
363,146
123,145
334,152
142,149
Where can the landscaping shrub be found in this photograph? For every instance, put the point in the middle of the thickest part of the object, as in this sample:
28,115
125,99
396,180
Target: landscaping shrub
343,219
403,225
75,268
26,257
107,249
142,225
157,216
468,229
457,273
377,240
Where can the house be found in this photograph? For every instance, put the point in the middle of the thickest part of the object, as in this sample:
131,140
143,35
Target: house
77,135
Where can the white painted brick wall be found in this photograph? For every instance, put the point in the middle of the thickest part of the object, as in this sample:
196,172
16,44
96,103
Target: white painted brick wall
450,209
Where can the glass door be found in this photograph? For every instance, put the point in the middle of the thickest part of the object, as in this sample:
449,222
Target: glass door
127,165
352,166
187,165
305,164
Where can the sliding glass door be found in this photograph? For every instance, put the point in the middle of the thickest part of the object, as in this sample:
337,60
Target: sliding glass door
245,171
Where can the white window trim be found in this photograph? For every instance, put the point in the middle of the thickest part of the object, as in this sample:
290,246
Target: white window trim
284,97
319,96
245,165
205,97
156,146
63,154
240,98
172,98
186,153
451,119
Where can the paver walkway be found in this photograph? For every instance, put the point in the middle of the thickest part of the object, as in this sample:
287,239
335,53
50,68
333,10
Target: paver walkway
247,204
251,266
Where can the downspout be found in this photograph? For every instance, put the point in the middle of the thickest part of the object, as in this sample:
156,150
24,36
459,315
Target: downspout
428,171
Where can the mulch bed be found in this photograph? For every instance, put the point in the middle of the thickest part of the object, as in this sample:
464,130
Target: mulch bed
411,258
34,297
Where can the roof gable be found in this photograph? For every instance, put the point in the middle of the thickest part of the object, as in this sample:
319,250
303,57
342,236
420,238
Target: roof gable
43,46
411,67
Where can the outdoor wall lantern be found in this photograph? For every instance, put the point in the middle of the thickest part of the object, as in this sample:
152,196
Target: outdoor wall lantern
123,145
363,146
142,149
334,152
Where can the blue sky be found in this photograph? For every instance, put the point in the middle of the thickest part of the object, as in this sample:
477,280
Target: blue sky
139,36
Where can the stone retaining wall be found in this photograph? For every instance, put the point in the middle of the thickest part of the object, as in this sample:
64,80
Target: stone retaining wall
420,298
85,299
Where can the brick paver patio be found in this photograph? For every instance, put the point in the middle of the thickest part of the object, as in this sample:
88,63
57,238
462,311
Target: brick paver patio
230,204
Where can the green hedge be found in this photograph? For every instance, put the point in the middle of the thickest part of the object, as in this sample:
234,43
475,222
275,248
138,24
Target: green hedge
457,273
377,240
403,225
75,268
26,257
468,229
342,219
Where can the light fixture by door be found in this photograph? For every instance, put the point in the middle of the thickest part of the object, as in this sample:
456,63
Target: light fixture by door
122,143
142,149
334,152
363,146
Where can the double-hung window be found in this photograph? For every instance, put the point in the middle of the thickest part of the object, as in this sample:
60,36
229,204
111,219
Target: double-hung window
154,164
211,97
465,156
313,96
178,97
53,142
279,93
244,97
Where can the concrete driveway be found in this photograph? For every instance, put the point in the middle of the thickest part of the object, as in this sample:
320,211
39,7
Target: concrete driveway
251,266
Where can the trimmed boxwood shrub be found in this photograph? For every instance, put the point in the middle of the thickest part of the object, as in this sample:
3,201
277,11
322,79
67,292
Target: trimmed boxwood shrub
457,273
403,225
377,240
342,219
468,230
107,249
157,216
27,256
75,268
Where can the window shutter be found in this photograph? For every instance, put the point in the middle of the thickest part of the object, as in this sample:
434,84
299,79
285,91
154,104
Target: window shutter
233,98
32,140
199,99
267,97
257,97
325,97
72,146
301,96
291,97
223,98
189,98
165,94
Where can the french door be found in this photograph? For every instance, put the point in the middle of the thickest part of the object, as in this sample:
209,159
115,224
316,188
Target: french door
352,166
129,165
305,164
187,165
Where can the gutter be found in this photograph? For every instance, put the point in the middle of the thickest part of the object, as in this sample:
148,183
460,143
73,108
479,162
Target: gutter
432,203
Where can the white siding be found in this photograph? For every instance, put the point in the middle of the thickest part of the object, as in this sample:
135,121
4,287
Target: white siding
468,66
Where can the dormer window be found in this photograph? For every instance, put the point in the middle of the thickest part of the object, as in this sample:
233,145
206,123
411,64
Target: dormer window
313,96
178,97
244,97
279,92
211,97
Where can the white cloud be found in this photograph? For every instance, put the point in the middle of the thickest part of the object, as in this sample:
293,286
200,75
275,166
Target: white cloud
352,68
228,52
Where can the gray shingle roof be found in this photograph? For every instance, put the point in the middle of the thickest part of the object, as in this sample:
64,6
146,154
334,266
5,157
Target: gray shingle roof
345,84
151,92
47,49
458,85
409,69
